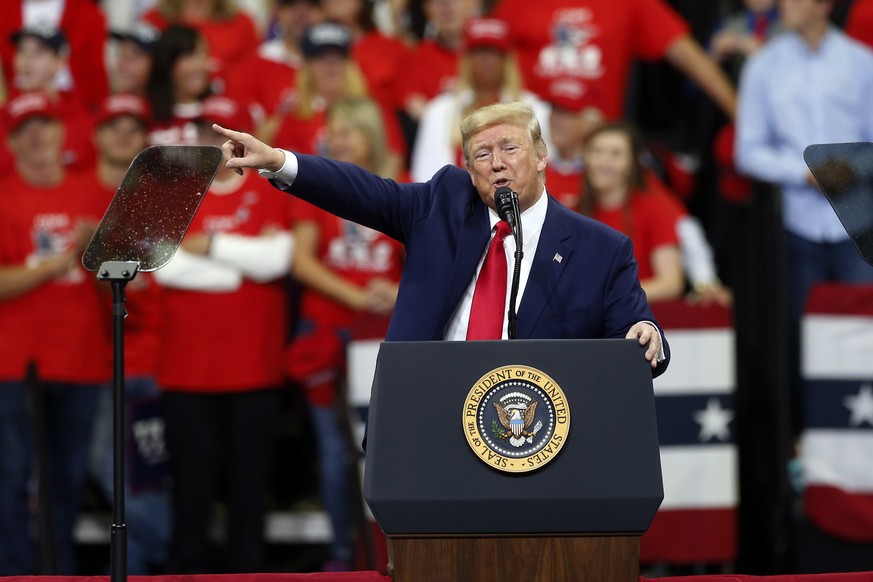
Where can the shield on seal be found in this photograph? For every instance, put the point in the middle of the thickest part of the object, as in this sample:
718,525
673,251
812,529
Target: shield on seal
516,423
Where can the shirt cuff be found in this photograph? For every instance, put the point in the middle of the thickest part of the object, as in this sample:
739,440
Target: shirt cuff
287,173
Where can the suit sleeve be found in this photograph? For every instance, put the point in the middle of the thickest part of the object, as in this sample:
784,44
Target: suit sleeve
625,301
355,194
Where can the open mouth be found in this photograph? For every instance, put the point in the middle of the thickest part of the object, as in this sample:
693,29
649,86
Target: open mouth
501,182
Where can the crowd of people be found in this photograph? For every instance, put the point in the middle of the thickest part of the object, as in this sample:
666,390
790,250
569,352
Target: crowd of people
217,335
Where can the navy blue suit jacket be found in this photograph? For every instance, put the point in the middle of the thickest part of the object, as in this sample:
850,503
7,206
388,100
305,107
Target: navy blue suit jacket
583,282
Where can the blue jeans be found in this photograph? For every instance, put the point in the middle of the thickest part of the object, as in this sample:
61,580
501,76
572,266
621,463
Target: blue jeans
148,515
68,421
810,263
334,460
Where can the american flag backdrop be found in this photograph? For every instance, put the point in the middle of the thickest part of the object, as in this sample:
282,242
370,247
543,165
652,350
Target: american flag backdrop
837,440
694,402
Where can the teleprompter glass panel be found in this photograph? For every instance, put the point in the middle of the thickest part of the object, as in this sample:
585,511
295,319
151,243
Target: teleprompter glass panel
844,172
153,206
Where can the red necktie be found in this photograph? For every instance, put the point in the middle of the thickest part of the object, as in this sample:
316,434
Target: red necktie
489,297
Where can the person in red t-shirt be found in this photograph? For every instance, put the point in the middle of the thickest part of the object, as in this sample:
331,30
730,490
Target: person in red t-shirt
178,83
132,59
616,194
82,23
54,344
264,79
380,57
572,123
120,134
572,119
41,55
350,275
230,34
328,75
221,361
592,43
431,67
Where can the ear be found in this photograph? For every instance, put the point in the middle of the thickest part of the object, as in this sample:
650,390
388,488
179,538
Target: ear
541,163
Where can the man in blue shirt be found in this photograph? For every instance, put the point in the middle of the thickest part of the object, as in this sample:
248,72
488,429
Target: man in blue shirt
810,85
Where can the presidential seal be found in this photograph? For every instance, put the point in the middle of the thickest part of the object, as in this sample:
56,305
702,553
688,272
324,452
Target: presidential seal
516,418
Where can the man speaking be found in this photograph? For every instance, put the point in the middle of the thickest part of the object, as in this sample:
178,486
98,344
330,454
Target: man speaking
577,278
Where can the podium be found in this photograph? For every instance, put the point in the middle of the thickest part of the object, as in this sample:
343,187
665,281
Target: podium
462,490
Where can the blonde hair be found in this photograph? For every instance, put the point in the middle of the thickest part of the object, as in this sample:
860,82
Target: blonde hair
172,9
515,113
512,85
307,93
364,116
511,88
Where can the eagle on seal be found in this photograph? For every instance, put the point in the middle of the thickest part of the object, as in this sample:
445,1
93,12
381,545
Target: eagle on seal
517,421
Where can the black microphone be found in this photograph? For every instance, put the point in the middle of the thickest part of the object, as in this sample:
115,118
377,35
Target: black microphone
506,202
503,198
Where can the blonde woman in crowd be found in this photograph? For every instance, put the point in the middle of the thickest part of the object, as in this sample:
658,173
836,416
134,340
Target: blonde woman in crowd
328,74
350,274
487,74
617,193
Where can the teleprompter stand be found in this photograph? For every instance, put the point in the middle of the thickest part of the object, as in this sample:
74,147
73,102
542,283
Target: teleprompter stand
118,273
452,516
140,231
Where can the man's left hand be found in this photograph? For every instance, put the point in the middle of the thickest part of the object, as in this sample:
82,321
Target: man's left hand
647,334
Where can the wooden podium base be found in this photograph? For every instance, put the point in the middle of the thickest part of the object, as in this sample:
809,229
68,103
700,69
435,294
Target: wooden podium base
498,559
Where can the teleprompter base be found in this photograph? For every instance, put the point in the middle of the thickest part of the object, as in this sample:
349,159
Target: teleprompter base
606,558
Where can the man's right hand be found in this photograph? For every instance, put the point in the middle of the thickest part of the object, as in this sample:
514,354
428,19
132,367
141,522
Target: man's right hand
243,150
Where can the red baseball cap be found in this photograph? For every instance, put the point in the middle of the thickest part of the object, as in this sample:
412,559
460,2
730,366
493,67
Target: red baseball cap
123,104
28,106
486,33
227,113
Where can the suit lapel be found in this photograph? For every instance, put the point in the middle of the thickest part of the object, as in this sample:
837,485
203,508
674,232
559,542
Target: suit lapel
472,240
553,253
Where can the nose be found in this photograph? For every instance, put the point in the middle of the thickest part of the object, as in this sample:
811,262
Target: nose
497,161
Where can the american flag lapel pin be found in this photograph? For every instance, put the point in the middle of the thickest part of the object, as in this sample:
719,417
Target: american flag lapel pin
557,258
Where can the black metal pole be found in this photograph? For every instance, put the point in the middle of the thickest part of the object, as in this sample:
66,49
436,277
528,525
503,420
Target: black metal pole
118,537
512,315
118,273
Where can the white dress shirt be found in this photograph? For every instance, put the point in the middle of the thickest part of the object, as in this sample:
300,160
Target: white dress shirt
532,221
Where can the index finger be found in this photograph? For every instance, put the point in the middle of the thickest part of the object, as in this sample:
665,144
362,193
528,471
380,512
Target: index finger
232,134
